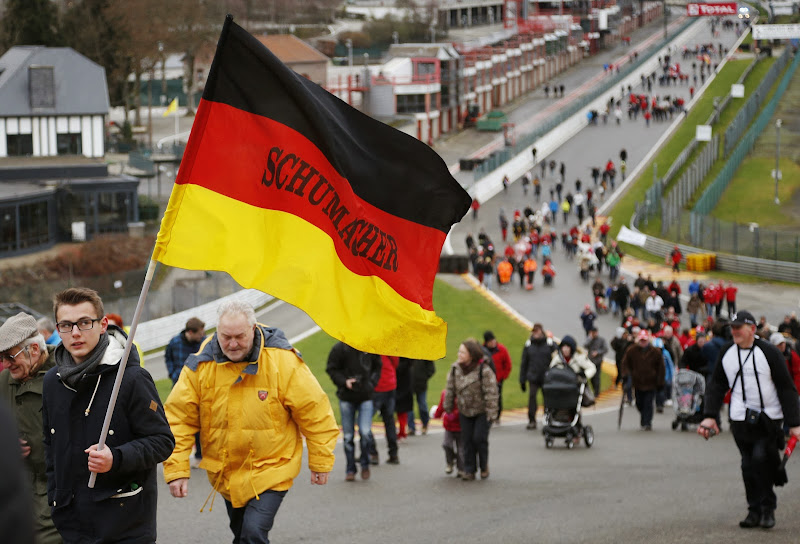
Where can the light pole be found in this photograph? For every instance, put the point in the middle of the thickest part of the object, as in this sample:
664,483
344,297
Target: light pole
349,44
777,172
163,97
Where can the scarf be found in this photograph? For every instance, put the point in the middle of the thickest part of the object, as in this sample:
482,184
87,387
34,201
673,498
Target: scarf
72,374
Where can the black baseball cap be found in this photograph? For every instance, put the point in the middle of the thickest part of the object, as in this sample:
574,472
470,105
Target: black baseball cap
743,318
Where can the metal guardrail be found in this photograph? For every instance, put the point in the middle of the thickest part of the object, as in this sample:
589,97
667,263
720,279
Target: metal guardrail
776,270
526,140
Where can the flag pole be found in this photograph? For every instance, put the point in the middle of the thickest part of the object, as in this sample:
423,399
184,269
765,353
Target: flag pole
176,120
148,279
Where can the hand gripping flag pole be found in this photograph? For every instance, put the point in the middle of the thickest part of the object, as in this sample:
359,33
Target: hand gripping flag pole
148,279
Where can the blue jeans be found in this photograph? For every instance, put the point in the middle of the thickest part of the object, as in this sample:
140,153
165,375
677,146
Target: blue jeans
422,405
252,522
383,402
348,410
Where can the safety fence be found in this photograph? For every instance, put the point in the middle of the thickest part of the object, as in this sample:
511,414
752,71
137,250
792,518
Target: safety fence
754,103
498,158
710,197
682,192
690,180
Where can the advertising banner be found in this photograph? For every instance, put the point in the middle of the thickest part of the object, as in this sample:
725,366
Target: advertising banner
715,9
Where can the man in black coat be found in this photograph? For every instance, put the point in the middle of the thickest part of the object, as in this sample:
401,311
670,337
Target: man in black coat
355,375
122,505
536,356
763,395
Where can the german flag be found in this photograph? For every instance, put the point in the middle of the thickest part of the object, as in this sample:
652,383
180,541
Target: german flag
293,192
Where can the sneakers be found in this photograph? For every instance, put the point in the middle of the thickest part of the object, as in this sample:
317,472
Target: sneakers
484,474
468,476
365,473
350,477
531,426
660,409
393,460
424,429
647,427
373,459
448,469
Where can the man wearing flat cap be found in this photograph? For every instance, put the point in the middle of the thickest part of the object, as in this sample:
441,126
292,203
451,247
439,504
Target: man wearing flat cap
762,397
23,350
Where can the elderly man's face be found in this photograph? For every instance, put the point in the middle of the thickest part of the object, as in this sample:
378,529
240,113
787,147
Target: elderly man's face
21,365
235,336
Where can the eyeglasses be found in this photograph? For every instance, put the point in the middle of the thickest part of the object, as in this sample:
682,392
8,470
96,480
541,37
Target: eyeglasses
84,324
12,358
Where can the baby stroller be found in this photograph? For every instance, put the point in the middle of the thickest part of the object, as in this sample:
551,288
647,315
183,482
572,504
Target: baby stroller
688,390
563,396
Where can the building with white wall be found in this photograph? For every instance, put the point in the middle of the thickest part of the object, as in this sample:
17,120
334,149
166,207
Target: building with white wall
40,114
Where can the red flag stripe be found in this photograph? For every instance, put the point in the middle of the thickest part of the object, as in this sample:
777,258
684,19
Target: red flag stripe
282,170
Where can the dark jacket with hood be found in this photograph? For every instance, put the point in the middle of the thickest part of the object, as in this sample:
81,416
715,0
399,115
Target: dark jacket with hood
25,401
122,505
536,357
346,362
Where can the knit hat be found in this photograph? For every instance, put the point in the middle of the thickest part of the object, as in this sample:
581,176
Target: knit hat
488,336
16,330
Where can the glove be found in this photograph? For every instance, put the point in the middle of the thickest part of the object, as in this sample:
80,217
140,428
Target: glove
523,386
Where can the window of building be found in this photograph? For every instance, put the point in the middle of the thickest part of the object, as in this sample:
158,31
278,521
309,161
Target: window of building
112,212
34,230
410,103
8,228
19,145
425,69
69,144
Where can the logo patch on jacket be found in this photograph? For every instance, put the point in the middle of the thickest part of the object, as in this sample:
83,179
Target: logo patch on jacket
153,405
262,395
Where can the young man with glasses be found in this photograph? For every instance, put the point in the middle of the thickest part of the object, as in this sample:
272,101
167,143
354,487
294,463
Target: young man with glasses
762,396
121,507
23,350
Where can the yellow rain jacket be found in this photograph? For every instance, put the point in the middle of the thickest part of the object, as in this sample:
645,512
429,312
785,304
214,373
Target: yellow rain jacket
250,416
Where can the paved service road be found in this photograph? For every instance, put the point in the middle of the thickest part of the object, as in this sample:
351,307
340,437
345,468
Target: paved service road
632,486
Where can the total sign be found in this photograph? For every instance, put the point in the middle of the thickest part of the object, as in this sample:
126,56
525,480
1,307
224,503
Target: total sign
715,9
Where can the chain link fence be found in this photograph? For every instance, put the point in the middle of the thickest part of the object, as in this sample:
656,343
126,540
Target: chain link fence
710,197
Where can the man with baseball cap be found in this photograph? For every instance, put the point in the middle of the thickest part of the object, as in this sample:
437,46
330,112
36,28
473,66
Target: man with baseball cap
644,365
762,396
23,349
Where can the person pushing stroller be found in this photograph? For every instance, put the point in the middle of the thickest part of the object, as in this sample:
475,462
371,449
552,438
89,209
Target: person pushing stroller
564,394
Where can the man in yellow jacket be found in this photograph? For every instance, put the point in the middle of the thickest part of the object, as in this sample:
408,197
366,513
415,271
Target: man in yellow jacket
250,396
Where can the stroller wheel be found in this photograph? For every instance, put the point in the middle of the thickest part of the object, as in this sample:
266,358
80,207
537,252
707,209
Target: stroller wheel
588,436
674,424
570,441
548,443
684,426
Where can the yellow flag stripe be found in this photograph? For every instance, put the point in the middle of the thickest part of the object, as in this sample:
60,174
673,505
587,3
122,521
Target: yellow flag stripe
287,257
